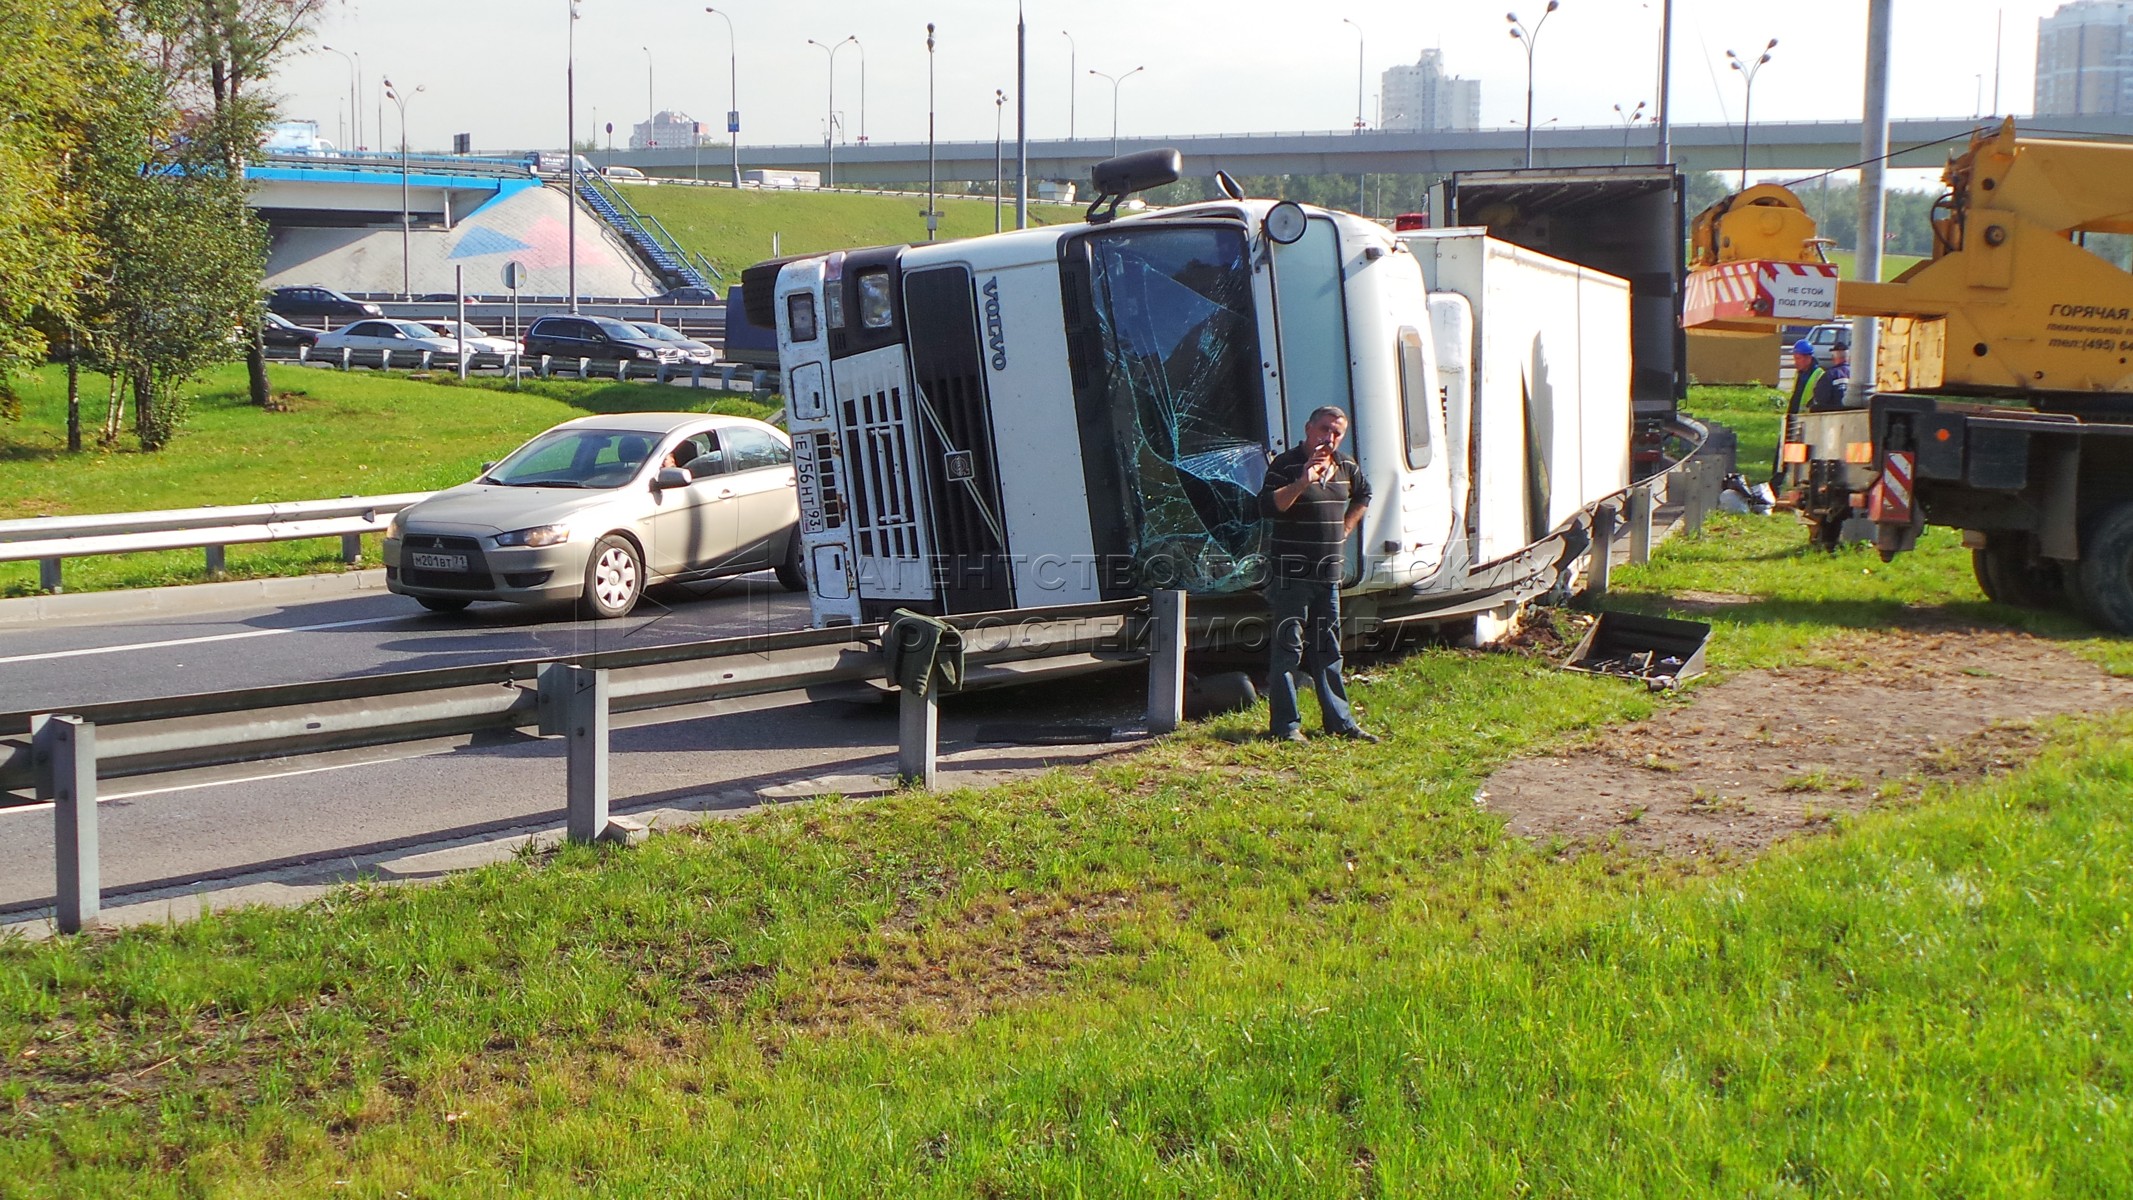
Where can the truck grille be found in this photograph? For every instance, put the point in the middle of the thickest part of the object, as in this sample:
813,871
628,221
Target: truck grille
878,447
947,360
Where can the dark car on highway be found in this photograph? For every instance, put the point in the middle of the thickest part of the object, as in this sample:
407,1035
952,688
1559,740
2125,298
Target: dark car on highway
318,302
601,339
686,294
281,331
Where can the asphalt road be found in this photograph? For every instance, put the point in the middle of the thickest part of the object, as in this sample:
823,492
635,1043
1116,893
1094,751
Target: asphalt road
177,831
48,666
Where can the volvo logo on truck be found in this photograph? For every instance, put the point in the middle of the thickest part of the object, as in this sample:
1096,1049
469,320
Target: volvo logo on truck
995,336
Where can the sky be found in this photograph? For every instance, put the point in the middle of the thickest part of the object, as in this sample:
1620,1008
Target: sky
495,68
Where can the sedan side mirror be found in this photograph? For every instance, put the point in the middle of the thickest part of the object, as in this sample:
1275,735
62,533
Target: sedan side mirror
671,477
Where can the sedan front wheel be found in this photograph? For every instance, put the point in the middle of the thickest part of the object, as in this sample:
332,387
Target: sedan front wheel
614,577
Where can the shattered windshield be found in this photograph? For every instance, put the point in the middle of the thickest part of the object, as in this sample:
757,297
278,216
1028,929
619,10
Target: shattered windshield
1173,417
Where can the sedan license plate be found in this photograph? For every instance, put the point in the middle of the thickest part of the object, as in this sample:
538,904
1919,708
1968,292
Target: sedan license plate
438,562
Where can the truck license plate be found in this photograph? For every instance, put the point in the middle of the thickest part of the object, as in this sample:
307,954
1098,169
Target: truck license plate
438,562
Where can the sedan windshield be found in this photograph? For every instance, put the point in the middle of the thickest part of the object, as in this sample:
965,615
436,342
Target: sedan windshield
621,331
580,458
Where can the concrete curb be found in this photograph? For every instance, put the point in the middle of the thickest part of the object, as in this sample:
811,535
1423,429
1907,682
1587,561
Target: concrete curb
187,598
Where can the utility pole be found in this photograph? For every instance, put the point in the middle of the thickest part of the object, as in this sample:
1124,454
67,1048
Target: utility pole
933,215
1666,72
1873,157
1021,120
570,149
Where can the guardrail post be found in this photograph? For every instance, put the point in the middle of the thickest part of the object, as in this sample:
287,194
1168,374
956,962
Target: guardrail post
48,576
622,370
347,358
424,360
573,704
1640,523
1166,661
584,365
351,548
1692,507
1602,560
64,752
215,564
758,383
918,737
725,378
696,376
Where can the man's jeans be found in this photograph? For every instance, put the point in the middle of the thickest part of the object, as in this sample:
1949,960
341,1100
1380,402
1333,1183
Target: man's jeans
1307,632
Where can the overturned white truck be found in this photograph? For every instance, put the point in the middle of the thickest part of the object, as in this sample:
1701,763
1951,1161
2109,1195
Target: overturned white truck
1084,412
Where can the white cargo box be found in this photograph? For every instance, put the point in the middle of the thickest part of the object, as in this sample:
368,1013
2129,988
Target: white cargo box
1551,409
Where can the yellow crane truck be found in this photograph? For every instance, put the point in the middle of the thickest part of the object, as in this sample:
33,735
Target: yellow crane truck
2002,396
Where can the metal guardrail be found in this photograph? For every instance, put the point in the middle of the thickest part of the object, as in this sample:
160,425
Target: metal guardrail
66,753
48,541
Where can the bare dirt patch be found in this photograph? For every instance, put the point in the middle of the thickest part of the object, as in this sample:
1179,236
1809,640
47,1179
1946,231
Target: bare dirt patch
1769,753
999,950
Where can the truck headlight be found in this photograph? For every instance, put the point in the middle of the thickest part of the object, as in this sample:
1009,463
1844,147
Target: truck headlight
539,535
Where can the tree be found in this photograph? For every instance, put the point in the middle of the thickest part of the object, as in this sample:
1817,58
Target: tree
59,63
220,53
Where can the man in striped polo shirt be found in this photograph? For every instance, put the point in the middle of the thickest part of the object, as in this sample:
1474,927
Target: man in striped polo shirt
1312,500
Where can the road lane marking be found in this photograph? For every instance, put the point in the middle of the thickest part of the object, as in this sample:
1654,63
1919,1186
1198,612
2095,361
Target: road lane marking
50,655
106,798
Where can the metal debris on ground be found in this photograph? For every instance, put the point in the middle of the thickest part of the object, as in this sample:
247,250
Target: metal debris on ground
1660,651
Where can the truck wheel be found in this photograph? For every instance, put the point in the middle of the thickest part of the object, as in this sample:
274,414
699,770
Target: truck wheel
2104,577
2009,575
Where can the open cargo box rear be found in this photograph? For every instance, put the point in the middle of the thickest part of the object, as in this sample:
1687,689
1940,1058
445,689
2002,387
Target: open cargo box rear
1626,221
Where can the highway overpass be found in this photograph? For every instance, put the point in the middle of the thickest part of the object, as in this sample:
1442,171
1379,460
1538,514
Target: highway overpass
1802,147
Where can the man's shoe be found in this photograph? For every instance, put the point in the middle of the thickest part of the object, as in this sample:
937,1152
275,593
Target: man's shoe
1294,735
1358,734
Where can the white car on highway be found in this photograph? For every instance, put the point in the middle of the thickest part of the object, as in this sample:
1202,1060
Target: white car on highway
403,340
481,344
597,509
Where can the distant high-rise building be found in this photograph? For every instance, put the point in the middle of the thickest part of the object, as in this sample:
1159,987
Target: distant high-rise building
1422,96
667,127
2085,59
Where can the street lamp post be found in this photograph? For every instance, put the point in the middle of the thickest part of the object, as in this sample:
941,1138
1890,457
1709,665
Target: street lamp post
999,110
933,215
570,151
1115,81
355,100
733,88
1628,119
1360,177
407,291
1529,37
651,110
1358,72
1747,71
861,47
829,131
1073,79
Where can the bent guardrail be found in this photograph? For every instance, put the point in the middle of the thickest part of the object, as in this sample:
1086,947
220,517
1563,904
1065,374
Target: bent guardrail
63,754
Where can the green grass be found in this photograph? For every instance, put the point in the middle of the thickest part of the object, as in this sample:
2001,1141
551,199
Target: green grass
735,229
346,433
1219,967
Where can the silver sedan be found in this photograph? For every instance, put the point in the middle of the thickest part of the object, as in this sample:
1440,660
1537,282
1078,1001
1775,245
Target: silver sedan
597,509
